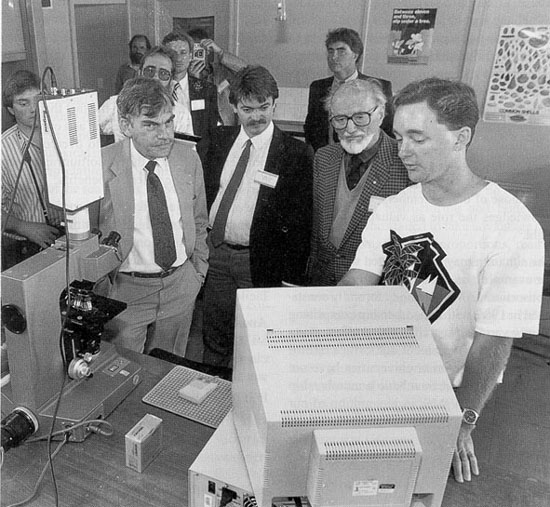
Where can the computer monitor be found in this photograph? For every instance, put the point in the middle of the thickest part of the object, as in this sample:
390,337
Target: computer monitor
340,395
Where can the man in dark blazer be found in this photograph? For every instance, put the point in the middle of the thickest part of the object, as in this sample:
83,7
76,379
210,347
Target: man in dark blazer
351,178
258,187
196,99
160,293
344,50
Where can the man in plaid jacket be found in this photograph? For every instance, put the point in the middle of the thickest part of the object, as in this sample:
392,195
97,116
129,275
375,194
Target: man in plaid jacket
351,179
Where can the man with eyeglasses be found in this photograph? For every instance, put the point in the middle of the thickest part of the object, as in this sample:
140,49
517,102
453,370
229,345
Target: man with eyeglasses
351,178
157,63
344,50
196,100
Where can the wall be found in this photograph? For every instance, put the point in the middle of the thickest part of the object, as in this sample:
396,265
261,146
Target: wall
294,50
452,24
57,30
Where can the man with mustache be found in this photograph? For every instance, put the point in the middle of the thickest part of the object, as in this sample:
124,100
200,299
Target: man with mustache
139,45
154,198
258,190
351,178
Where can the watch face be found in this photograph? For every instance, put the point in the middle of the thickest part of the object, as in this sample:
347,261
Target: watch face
470,416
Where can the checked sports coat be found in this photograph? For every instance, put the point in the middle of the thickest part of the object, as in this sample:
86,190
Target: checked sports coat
387,176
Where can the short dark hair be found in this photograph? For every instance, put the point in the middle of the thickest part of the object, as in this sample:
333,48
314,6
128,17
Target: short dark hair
140,36
453,102
178,35
253,82
18,83
198,34
160,50
349,37
141,95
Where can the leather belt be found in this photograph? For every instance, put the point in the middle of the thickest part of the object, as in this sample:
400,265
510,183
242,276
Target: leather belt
236,247
161,274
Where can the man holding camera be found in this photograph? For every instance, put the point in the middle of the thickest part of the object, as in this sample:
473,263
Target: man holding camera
196,101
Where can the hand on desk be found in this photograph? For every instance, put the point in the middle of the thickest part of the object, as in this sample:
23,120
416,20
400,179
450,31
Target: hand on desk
464,458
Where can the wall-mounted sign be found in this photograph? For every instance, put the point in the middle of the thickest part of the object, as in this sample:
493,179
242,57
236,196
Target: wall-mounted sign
519,85
411,36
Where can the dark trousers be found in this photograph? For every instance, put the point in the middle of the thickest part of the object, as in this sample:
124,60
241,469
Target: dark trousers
229,270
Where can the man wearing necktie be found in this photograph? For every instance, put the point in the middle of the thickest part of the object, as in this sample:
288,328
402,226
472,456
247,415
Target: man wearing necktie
155,199
258,190
196,100
351,178
344,50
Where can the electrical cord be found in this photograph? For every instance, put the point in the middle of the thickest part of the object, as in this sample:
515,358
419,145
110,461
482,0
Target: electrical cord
42,474
92,424
67,257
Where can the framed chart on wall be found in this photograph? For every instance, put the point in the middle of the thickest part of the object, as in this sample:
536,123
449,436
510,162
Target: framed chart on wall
519,84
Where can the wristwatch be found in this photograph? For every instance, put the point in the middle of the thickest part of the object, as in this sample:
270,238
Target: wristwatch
469,416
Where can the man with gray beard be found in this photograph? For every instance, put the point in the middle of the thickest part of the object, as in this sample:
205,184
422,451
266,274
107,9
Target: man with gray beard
351,179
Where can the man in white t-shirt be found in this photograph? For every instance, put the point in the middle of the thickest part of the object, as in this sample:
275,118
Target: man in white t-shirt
469,252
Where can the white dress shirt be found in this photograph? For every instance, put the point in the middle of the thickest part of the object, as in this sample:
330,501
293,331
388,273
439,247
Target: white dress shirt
239,220
182,110
142,255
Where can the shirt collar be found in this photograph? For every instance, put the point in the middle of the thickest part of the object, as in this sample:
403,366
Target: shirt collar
139,161
25,139
259,141
355,75
368,153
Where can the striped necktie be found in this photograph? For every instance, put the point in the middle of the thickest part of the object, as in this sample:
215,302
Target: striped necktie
175,89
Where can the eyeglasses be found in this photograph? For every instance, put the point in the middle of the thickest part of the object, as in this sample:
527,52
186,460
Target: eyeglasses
361,119
151,72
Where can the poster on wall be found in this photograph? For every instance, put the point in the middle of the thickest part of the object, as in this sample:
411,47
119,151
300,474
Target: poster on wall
411,36
519,85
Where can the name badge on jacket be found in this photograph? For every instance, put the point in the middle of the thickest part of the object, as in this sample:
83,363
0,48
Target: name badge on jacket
197,105
267,179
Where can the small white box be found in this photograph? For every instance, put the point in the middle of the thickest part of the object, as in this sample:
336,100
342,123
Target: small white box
143,442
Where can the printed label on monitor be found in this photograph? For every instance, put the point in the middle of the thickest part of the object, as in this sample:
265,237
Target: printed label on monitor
386,488
365,488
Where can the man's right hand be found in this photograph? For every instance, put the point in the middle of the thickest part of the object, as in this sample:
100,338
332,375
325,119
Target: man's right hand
43,235
211,46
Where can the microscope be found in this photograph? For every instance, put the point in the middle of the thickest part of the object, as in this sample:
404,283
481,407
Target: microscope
54,337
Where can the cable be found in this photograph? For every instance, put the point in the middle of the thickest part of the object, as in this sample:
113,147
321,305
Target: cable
41,476
67,258
92,426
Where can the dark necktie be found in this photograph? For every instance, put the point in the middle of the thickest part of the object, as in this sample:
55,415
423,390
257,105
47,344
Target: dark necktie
217,233
354,173
163,235
177,86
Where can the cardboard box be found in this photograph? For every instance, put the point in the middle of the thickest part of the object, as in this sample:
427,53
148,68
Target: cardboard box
143,442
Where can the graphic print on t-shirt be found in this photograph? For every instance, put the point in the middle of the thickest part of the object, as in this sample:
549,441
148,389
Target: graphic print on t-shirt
416,262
